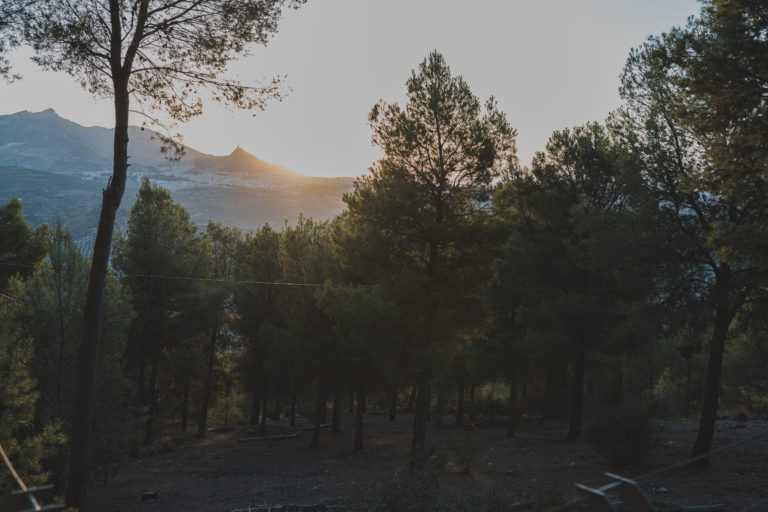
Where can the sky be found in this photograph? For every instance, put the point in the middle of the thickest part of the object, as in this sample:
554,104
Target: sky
550,64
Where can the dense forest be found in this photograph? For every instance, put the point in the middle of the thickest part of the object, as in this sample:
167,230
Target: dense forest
616,279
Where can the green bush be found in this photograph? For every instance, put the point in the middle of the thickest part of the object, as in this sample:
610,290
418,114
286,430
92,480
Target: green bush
490,407
404,491
545,404
625,433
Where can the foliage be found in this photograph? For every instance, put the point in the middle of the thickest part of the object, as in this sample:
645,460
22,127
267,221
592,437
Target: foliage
746,387
562,275
625,432
156,257
416,222
259,304
574,276
699,160
717,64
26,445
21,247
166,51
416,491
161,54
48,312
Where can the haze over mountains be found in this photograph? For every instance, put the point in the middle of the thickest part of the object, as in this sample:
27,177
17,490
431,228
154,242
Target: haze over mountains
58,169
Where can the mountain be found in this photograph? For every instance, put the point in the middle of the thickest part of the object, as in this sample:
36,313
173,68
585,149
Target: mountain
58,169
48,142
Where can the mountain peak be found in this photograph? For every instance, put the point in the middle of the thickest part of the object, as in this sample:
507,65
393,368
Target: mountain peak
240,155
48,113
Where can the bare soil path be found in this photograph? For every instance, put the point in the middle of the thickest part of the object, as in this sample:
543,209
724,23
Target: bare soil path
471,468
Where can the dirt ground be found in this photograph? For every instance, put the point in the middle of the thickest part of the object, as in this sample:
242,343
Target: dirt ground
471,468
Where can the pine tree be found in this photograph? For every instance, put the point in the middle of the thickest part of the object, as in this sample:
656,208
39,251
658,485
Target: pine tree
21,247
155,258
160,55
703,159
575,269
414,219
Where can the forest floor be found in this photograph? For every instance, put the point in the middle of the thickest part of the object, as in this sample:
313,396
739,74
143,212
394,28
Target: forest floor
472,468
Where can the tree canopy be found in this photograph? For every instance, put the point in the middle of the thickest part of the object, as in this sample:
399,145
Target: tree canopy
415,221
701,160
160,54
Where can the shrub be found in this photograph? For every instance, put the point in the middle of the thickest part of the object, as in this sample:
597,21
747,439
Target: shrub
405,491
625,433
545,404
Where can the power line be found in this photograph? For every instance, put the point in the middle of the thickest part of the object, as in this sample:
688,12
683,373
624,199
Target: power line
683,463
701,457
264,283
236,281
9,297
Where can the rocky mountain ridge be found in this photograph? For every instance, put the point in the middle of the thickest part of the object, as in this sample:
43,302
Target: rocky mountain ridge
58,168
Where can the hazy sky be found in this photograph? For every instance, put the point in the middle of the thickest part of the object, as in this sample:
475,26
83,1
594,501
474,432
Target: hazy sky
549,63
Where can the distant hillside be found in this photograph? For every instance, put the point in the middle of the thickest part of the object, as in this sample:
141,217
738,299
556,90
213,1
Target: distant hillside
58,167
48,142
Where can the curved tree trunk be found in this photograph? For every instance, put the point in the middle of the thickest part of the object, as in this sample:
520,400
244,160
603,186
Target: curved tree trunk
203,420
152,402
711,392
263,424
255,409
460,401
393,404
420,419
94,300
514,406
577,400
336,417
320,405
359,420
185,405
472,401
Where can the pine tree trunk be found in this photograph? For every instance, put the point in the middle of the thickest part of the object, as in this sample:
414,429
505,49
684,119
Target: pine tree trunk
577,401
514,408
81,438
152,402
710,395
460,402
185,406
420,418
292,418
324,408
60,365
320,404
255,408
203,420
440,399
412,398
359,420
141,398
393,404
687,401
263,424
471,401
336,418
